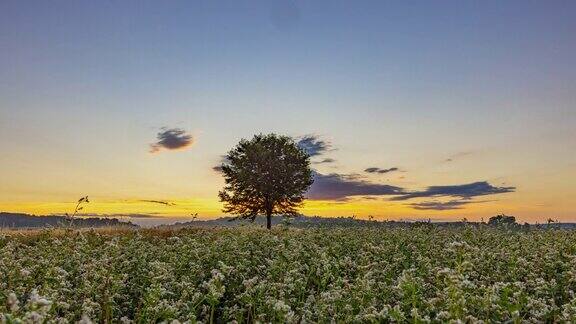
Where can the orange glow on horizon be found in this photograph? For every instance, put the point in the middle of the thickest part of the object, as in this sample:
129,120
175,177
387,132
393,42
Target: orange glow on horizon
379,209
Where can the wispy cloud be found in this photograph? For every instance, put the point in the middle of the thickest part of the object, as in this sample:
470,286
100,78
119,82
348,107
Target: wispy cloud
171,139
469,190
458,155
324,161
446,205
337,187
380,170
160,202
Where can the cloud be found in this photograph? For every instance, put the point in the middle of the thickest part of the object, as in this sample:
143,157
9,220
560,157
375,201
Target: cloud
379,170
458,155
438,205
326,160
171,139
160,202
469,190
223,160
313,145
338,187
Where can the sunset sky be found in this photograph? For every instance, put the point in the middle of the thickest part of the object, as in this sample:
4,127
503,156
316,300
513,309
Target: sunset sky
411,110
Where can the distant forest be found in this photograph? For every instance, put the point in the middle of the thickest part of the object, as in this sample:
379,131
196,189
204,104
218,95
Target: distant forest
14,220
302,221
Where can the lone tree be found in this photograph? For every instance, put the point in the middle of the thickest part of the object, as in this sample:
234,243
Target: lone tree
268,174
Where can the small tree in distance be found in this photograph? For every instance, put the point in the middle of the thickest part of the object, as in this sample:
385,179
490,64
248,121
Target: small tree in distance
268,175
502,220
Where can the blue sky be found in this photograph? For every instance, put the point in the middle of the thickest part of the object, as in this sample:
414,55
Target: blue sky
85,86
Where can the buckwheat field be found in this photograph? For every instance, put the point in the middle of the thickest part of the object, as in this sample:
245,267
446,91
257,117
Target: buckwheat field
405,274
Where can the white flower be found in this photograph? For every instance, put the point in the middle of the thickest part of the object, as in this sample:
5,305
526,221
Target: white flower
33,317
85,320
125,320
13,302
37,300
280,306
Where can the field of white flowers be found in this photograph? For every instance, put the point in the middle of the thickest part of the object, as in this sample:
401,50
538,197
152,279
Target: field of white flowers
415,274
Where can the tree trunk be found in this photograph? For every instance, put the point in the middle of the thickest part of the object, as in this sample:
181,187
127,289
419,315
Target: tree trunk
268,220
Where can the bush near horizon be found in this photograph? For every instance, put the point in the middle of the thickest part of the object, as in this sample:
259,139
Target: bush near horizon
402,274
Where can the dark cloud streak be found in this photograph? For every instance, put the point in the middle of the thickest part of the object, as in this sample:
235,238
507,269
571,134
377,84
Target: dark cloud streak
380,171
338,187
160,202
326,160
469,190
438,205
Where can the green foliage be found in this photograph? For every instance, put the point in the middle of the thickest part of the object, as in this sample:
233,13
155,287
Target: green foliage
268,175
502,220
397,274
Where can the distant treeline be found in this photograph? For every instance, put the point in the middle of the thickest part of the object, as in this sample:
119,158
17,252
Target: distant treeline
297,221
317,221
15,220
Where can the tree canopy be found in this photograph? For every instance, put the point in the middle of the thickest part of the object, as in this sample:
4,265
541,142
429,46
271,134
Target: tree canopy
502,220
266,175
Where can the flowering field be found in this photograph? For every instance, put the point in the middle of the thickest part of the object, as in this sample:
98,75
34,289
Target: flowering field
416,274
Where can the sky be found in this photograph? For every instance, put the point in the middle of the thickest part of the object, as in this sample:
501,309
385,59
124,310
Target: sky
412,110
